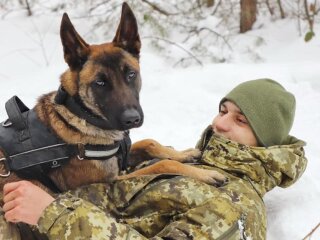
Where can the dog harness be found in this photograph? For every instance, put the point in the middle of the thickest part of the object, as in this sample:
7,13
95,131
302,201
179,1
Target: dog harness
31,149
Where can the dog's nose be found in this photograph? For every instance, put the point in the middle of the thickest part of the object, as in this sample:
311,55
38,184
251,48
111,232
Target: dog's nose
130,118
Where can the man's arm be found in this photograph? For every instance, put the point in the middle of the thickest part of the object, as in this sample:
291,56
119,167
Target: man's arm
67,217
70,217
86,214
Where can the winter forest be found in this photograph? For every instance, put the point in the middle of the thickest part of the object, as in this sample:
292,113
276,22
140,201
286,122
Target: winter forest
204,31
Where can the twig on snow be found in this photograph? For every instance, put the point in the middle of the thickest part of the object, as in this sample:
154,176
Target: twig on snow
311,232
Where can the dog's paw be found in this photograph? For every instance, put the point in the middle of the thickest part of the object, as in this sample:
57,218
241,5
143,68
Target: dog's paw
190,155
212,177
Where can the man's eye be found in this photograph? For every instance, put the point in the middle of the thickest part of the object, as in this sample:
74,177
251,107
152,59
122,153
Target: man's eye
100,82
222,112
131,76
241,120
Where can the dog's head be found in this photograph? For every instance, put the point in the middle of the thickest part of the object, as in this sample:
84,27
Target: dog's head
105,78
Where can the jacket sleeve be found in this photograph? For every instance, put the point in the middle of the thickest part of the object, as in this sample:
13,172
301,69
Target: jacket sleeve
70,217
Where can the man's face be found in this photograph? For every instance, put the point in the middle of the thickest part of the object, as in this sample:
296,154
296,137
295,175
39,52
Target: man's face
232,124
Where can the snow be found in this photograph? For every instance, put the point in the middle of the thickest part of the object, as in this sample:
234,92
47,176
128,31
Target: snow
179,103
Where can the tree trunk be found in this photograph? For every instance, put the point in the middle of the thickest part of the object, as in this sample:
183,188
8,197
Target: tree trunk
282,14
28,8
269,7
248,14
210,3
309,16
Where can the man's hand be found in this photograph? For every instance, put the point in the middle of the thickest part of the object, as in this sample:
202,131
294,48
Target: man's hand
24,202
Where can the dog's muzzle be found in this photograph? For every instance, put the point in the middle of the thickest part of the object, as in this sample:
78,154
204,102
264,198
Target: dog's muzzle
131,118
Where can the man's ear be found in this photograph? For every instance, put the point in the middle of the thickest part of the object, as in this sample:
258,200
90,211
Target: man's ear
75,49
127,36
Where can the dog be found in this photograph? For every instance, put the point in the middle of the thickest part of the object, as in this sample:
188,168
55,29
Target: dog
81,130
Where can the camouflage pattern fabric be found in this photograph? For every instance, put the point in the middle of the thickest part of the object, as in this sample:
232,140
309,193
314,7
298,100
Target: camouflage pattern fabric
20,231
178,207
8,231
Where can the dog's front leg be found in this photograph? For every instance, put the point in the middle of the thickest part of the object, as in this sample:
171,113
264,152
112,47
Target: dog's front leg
148,149
173,167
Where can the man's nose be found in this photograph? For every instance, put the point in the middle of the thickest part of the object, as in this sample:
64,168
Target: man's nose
224,123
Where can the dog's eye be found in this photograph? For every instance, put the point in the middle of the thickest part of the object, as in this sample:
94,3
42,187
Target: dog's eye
100,82
131,76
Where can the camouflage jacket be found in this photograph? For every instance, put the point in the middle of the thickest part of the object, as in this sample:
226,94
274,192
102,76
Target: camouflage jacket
177,207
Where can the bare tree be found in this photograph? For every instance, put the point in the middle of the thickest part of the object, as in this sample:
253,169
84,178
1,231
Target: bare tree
28,8
202,29
247,14
210,3
269,7
282,14
309,10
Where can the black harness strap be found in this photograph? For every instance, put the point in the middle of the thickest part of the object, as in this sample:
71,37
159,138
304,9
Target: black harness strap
39,150
14,107
125,146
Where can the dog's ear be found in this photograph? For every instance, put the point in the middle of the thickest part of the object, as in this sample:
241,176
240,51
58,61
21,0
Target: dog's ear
75,49
127,36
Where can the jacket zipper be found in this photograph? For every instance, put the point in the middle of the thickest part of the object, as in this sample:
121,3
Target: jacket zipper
238,225
230,232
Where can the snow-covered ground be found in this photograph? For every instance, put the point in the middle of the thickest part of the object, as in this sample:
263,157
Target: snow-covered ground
179,103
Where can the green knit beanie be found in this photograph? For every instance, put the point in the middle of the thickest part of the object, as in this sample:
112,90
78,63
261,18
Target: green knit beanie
268,107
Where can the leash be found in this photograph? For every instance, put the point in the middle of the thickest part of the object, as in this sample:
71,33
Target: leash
31,149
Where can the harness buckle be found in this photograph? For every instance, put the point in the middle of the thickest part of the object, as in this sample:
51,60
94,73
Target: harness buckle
80,158
8,172
81,154
6,123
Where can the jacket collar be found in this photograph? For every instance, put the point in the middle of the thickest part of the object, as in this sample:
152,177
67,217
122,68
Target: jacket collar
280,165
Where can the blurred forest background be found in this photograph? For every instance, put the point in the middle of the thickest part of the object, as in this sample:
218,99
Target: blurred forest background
204,30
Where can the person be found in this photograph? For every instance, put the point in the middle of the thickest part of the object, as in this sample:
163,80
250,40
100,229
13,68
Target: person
248,141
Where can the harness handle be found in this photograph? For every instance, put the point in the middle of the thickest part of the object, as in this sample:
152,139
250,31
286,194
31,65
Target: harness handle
125,146
15,107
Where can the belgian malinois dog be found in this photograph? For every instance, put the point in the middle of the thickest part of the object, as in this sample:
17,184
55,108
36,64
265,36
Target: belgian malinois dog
97,102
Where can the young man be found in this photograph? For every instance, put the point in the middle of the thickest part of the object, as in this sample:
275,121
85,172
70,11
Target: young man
248,141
